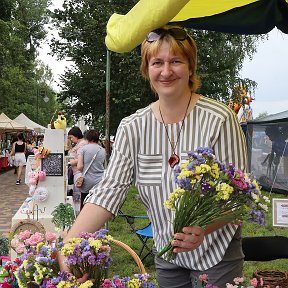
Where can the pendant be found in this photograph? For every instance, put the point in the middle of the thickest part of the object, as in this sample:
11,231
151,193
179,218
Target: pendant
173,160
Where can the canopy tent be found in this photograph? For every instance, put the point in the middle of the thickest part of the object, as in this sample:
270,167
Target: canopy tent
267,140
9,125
125,32
24,120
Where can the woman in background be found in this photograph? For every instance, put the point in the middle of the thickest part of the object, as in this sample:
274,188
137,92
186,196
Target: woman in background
91,162
19,149
76,137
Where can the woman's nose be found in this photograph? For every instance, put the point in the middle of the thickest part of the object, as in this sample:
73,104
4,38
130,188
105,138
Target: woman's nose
166,71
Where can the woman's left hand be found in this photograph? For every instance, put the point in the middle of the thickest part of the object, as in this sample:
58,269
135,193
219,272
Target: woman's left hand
191,238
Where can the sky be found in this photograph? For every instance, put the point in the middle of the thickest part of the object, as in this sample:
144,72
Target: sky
268,68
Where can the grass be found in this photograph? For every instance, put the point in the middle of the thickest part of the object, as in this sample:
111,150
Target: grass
124,265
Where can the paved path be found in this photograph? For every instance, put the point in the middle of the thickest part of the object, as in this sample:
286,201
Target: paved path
11,198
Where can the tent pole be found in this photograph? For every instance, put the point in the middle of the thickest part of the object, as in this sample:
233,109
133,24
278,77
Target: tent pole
107,115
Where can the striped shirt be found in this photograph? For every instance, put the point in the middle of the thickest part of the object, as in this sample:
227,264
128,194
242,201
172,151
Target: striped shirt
140,154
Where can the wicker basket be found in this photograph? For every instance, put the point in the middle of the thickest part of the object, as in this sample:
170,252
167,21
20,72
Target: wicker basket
121,245
272,278
132,253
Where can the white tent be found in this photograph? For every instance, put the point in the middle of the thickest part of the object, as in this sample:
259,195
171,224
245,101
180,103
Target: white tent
23,119
8,125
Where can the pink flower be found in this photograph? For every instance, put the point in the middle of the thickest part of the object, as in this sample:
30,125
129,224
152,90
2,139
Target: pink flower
118,283
106,283
238,280
254,282
34,239
262,282
24,235
203,277
14,242
50,236
20,248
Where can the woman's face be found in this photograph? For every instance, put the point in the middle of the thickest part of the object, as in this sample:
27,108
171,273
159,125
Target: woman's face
73,139
168,73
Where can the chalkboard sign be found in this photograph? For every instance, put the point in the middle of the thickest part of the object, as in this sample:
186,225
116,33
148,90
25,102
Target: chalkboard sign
53,164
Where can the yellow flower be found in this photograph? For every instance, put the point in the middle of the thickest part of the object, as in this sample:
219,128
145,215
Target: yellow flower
224,191
87,284
204,168
215,171
173,198
134,283
39,246
96,244
65,284
185,174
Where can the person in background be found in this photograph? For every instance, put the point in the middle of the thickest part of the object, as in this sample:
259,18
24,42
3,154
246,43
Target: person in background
149,143
91,162
19,149
77,142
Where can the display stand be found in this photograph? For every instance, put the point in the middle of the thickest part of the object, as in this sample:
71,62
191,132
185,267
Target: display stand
55,182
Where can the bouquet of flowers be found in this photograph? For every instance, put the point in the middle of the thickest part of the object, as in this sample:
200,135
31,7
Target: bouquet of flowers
209,192
38,259
89,253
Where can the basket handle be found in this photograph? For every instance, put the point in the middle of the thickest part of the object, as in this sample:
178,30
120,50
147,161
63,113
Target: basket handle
132,253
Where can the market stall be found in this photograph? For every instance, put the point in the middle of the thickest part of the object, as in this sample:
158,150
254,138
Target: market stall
8,125
24,120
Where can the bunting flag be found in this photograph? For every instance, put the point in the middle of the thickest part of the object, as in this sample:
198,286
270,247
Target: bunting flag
125,32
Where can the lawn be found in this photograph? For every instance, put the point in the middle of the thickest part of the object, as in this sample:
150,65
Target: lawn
123,263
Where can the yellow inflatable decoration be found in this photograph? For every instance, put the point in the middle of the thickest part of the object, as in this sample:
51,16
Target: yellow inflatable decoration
125,32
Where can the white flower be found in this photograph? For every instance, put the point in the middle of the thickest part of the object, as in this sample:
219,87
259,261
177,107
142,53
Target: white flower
264,207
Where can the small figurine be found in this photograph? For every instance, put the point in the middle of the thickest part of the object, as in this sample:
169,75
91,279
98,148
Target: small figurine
60,122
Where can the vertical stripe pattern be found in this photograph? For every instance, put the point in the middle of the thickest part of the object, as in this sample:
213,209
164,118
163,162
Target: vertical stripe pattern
140,154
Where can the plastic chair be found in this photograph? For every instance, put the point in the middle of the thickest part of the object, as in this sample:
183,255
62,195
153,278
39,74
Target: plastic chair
144,234
265,248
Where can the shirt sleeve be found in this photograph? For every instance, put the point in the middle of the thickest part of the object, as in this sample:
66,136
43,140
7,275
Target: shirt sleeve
230,146
111,191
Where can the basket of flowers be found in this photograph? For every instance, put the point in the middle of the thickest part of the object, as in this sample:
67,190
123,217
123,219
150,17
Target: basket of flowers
87,254
273,278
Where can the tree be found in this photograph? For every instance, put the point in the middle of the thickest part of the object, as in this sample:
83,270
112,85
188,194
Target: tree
82,30
22,77
262,115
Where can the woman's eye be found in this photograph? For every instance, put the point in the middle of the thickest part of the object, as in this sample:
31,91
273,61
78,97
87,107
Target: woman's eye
176,61
156,63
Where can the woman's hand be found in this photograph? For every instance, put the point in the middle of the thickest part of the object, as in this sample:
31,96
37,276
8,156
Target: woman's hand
191,238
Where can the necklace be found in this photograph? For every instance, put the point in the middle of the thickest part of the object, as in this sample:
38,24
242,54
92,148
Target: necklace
174,158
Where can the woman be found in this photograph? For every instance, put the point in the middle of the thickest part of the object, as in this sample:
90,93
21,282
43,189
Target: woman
76,137
147,146
91,163
19,149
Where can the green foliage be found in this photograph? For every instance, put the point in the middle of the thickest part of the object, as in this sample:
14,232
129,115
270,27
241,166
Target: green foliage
21,76
63,216
4,246
262,115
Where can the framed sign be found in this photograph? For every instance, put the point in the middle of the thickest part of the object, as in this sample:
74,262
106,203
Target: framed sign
280,212
53,164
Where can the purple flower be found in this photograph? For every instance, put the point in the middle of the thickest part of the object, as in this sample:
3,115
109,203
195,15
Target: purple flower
92,260
72,260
